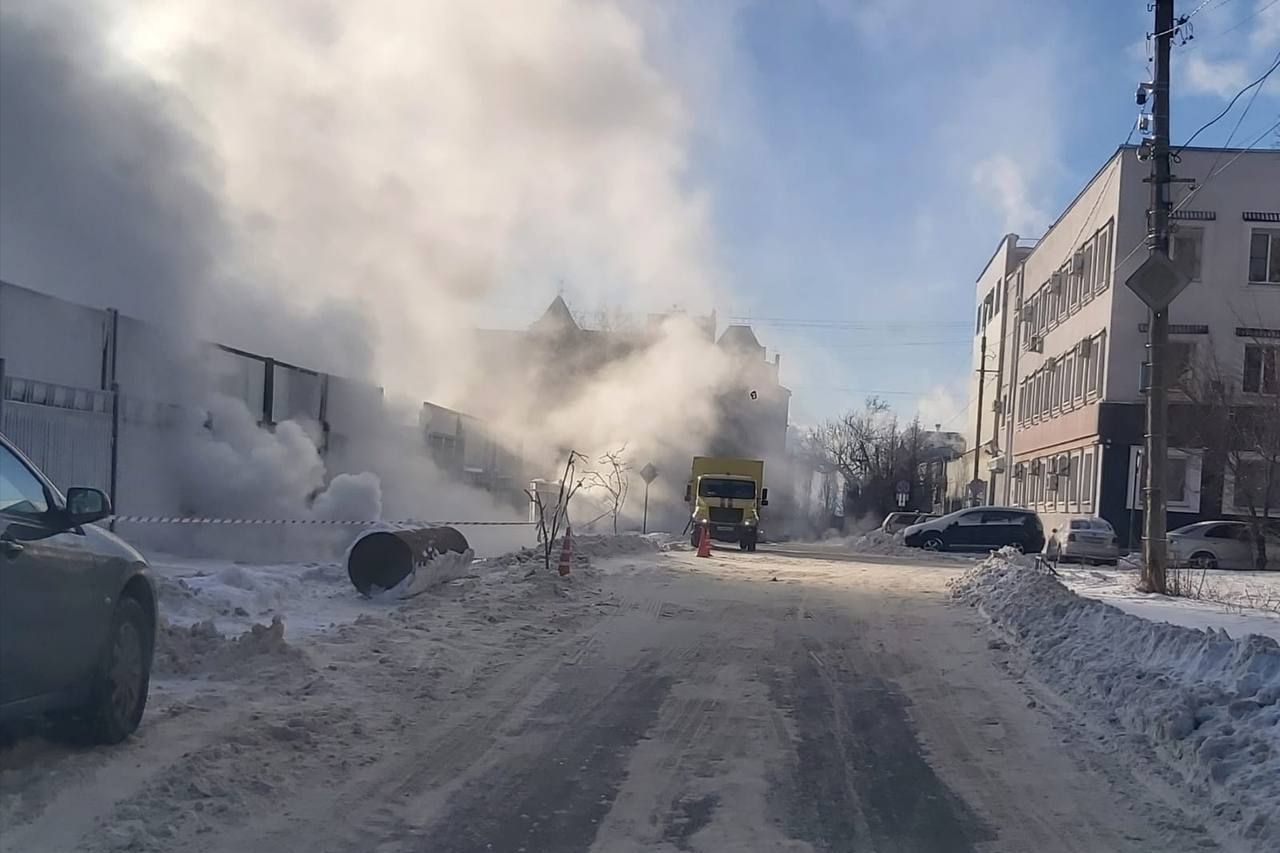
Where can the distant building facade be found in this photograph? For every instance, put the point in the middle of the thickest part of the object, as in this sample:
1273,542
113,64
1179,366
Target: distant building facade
1064,411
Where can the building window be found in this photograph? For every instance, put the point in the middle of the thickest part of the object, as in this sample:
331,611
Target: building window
1069,381
1264,257
1175,480
1086,278
1254,483
1260,369
1082,368
1186,248
1181,358
1099,365
1103,264
1086,482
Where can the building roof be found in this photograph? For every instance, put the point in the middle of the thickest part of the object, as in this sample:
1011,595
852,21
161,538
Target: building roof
557,318
740,337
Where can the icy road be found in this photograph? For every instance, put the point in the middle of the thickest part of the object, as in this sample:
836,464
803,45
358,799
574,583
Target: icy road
787,701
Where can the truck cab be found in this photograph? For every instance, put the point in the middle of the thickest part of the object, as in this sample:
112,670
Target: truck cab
726,496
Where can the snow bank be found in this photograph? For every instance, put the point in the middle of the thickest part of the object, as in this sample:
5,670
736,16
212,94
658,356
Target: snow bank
309,597
603,546
1239,603
201,649
1206,704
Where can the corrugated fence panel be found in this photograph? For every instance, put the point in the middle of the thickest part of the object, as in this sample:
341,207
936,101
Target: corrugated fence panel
72,447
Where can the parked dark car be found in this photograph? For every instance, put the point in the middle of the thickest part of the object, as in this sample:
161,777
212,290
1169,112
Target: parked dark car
985,528
77,609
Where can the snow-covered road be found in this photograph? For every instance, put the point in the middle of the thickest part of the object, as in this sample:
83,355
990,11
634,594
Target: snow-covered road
651,702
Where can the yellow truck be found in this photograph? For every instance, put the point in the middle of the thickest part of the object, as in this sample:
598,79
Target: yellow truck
726,496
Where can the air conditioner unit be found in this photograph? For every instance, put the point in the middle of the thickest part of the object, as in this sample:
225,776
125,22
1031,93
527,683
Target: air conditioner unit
1036,467
1036,344
1051,484
1077,262
1019,471
1056,281
1085,347
1053,465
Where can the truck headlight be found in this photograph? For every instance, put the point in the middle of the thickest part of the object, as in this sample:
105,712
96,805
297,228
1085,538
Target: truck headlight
749,522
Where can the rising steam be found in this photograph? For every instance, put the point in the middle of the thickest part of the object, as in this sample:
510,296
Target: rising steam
355,187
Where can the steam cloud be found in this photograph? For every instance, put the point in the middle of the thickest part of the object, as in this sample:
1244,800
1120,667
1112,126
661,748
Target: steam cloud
354,187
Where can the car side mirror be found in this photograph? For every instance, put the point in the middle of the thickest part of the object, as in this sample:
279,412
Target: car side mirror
688,493
764,497
85,506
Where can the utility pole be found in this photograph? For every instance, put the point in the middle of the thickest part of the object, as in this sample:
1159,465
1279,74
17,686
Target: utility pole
1157,438
977,433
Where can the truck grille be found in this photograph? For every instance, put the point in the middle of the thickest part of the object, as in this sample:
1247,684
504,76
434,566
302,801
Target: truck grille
725,515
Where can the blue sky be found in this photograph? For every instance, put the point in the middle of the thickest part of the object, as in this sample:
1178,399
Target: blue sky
864,158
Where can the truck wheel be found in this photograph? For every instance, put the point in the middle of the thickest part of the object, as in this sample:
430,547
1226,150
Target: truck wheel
693,537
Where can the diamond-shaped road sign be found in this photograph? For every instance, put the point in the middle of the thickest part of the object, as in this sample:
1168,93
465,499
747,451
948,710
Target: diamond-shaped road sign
648,473
1157,281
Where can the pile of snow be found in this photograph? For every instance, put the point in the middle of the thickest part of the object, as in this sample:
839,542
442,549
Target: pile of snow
603,546
1206,704
201,649
309,597
877,542
1238,602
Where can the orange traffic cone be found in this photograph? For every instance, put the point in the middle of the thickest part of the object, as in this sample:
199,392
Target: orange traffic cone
566,552
704,542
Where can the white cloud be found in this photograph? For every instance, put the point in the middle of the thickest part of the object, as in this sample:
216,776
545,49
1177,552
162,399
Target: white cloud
1222,78
1003,181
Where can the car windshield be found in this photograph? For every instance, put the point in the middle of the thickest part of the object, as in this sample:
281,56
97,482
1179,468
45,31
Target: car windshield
717,487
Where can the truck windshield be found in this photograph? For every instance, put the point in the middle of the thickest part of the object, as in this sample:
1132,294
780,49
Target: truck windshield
711,487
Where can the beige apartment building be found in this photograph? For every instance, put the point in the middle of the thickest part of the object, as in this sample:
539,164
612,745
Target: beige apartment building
1063,407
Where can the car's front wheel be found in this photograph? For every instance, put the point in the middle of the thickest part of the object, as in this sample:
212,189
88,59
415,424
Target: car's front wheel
1203,560
118,695
933,542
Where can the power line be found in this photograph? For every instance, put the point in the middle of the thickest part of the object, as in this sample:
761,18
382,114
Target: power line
1261,80
858,325
1182,20
1238,24
1202,185
1239,121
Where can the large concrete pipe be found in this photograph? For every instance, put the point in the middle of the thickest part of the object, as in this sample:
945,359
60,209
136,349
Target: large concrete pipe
381,559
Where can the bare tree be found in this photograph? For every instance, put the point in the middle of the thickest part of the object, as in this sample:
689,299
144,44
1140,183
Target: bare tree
613,477
1236,418
551,520
872,453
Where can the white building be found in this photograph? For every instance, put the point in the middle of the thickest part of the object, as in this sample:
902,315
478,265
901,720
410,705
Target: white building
1064,413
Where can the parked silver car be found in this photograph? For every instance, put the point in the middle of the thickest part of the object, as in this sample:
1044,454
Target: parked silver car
77,609
895,521
1084,539
1220,545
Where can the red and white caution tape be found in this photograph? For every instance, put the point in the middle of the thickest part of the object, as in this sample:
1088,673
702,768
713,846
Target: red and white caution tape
178,519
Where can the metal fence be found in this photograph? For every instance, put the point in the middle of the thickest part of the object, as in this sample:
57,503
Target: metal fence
66,431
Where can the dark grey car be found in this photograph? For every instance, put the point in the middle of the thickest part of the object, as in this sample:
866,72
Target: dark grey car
77,609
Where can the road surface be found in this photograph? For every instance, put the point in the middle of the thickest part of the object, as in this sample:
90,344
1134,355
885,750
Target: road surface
745,702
